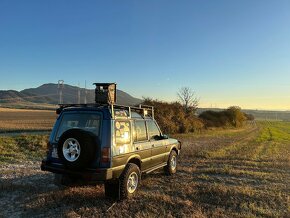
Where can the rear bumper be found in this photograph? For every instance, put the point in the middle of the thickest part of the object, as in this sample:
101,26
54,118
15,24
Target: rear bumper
87,174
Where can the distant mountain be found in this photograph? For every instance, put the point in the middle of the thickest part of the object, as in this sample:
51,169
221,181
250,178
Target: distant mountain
48,94
12,96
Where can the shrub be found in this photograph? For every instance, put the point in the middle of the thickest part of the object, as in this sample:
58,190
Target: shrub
233,116
172,118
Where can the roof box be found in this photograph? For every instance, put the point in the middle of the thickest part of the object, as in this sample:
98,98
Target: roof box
105,93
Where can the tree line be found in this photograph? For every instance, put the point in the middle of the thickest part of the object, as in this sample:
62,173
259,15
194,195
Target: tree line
181,116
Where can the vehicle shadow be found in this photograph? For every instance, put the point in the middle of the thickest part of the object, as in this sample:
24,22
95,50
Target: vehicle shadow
36,195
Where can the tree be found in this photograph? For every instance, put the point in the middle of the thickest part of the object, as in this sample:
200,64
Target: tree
172,118
237,116
187,98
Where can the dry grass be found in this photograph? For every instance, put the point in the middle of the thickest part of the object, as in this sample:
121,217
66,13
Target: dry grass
22,119
236,174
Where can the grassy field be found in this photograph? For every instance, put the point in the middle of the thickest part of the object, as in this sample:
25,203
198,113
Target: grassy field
222,173
21,119
22,148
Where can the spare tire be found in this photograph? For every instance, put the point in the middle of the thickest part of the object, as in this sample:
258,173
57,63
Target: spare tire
77,148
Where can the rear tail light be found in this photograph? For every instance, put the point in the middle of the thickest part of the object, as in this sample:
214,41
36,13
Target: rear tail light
106,155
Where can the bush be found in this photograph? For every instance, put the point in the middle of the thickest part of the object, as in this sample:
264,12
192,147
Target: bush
216,119
233,116
172,118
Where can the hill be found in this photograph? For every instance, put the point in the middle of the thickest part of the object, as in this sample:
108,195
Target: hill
48,94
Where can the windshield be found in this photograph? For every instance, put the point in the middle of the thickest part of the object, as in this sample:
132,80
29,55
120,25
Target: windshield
86,121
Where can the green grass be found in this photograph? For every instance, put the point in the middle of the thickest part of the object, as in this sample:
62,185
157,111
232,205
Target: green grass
250,176
274,131
22,148
213,132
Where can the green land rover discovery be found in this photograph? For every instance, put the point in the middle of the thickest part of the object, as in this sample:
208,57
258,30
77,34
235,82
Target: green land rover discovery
105,142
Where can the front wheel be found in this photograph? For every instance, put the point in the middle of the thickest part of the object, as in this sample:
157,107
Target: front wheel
171,166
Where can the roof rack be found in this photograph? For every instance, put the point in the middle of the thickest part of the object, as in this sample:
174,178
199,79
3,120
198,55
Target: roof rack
63,106
145,110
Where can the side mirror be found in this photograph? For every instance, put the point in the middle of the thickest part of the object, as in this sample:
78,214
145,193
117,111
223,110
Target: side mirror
164,137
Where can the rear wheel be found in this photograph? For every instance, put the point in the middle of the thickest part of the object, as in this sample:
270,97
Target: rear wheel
112,189
129,181
62,180
171,166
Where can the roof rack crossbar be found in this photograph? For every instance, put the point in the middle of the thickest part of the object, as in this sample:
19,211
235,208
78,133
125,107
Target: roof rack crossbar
140,109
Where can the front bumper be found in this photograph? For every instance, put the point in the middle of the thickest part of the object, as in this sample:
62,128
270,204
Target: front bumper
86,174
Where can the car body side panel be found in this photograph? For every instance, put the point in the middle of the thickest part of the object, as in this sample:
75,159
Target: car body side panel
144,155
121,154
158,151
169,145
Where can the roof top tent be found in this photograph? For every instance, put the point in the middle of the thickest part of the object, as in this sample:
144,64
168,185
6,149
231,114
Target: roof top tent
106,93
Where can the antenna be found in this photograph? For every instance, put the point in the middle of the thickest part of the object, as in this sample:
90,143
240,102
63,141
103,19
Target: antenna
60,88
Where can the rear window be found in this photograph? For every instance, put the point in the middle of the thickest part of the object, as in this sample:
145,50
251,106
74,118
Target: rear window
122,132
140,132
87,121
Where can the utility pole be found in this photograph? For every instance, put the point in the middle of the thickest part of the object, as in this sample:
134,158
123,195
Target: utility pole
79,94
60,88
85,91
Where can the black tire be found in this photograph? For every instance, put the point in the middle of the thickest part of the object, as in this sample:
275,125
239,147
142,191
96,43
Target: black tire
58,180
61,180
112,189
171,168
131,171
87,144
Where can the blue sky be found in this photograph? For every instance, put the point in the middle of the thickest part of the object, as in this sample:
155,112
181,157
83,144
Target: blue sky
228,52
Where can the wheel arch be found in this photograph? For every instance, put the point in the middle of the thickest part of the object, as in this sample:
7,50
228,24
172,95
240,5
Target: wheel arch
135,160
175,149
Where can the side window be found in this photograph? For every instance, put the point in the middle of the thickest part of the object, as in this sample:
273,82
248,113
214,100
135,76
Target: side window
122,132
153,130
140,132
